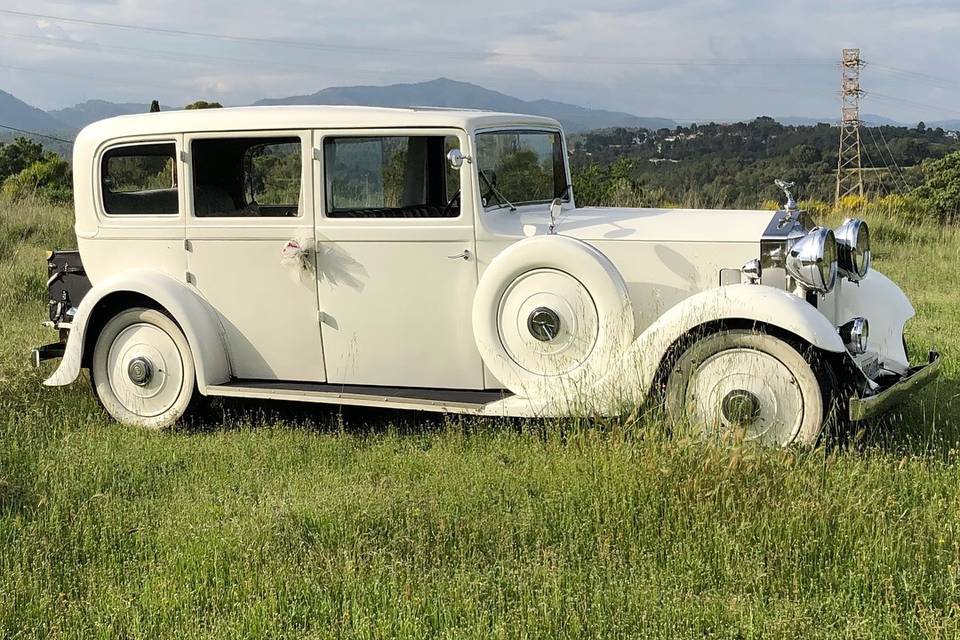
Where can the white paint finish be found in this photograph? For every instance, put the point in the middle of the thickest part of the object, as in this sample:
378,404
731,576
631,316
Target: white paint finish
394,306
661,275
711,226
111,244
398,313
886,308
268,308
395,309
104,257
629,379
192,314
576,280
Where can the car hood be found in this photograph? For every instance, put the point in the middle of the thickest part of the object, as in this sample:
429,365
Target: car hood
662,225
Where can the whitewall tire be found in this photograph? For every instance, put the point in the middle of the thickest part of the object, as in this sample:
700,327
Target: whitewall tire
142,370
550,316
748,383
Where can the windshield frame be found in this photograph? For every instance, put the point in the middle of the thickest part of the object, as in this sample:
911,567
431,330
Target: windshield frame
567,197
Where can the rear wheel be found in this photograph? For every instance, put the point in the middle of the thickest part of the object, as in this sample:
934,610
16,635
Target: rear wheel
752,383
143,371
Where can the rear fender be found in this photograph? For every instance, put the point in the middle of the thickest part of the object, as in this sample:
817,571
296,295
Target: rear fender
195,317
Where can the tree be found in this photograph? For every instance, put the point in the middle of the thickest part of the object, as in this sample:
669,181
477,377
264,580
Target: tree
203,104
17,156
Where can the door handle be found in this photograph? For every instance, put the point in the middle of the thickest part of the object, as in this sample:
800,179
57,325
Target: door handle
463,255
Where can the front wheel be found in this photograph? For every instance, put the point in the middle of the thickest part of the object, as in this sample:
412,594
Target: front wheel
752,383
142,370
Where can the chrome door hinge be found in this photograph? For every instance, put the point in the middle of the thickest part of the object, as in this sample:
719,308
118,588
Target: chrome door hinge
187,246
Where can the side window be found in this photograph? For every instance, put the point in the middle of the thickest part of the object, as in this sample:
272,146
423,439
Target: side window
247,177
140,179
391,177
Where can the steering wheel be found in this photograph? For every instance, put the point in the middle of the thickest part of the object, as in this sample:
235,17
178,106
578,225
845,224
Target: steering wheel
449,205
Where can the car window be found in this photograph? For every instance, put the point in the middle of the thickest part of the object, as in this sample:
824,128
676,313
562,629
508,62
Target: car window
391,177
521,167
247,177
140,180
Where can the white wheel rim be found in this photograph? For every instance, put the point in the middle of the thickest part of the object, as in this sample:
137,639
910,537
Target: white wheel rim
145,343
773,394
565,296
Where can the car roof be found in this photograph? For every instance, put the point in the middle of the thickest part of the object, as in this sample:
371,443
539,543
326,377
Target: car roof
302,117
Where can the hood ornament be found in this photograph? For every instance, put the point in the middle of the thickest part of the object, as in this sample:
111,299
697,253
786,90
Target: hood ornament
555,208
786,187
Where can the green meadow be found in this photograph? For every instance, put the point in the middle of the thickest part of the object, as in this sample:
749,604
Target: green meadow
280,521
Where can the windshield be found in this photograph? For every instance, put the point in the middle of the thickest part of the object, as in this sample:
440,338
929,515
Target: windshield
521,167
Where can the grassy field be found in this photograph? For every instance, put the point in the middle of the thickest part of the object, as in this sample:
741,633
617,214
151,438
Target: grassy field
291,522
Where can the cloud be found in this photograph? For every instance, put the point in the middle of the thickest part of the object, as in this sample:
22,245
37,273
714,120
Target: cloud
598,54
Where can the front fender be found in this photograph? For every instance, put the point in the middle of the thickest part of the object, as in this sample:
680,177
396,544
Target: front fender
754,303
198,321
629,380
887,308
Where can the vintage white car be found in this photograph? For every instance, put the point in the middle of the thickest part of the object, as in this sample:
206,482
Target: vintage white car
435,259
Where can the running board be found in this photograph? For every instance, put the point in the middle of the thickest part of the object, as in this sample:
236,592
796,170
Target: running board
439,400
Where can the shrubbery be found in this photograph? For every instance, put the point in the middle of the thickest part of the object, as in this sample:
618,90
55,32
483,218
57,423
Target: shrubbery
940,191
27,171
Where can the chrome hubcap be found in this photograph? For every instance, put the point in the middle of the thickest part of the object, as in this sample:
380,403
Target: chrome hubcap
140,371
544,324
740,407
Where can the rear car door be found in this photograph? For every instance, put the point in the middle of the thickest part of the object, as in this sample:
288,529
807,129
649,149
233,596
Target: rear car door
249,238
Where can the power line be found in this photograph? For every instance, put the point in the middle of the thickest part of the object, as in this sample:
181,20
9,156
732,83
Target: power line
892,159
937,81
574,59
940,108
34,133
188,57
883,159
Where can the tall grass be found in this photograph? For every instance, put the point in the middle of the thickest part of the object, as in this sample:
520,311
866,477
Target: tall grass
277,521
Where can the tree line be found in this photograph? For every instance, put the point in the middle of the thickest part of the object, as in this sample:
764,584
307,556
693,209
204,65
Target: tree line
700,165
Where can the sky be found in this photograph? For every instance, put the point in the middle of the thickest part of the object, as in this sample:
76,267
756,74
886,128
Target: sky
682,59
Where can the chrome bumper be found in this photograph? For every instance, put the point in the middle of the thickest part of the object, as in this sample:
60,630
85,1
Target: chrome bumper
872,406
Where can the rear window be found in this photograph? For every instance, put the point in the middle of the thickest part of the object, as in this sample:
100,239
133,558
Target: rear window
247,177
140,180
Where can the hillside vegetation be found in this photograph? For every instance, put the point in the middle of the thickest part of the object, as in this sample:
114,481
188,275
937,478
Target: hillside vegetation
735,165
278,521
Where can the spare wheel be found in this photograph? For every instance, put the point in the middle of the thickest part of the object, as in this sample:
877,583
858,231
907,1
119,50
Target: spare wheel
550,316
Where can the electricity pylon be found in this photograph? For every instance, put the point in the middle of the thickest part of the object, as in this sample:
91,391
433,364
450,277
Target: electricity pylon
849,170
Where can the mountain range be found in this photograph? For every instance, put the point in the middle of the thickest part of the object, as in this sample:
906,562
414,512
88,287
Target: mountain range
441,92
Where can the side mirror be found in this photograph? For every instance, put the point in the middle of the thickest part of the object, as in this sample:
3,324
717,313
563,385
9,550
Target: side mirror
456,158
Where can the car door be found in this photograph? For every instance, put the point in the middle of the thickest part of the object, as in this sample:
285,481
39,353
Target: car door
250,209
396,272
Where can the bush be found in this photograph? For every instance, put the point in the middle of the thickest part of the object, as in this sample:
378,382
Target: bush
49,179
940,190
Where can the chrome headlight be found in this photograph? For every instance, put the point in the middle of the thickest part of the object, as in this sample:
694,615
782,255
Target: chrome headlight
812,260
855,335
853,249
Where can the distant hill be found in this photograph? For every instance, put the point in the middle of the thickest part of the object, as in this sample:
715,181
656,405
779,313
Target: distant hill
444,92
949,125
869,119
19,114
80,115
